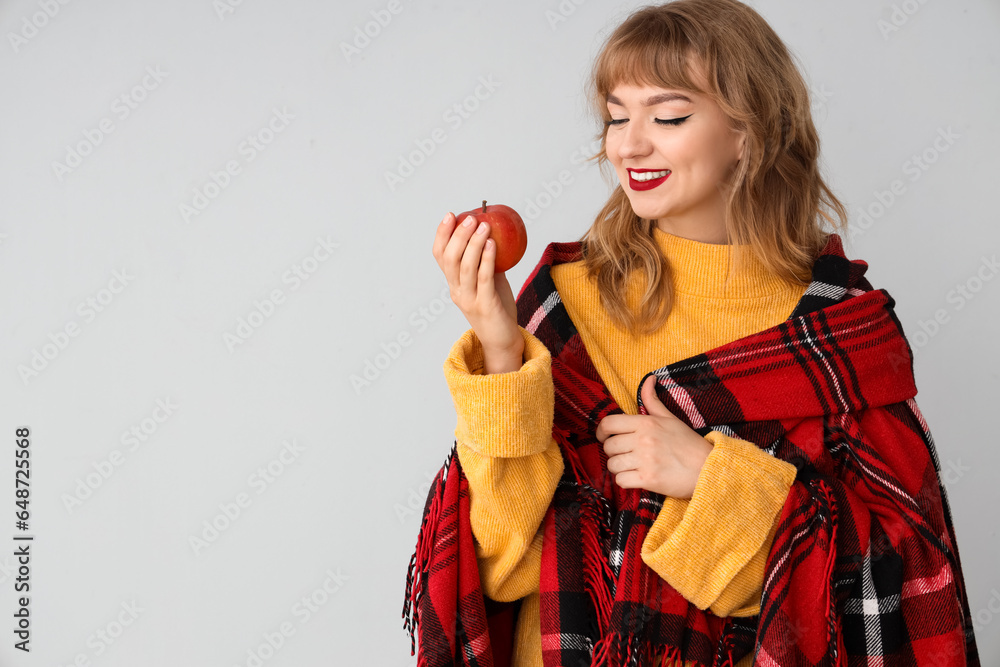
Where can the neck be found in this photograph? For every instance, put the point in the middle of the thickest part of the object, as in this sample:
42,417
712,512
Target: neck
700,235
708,228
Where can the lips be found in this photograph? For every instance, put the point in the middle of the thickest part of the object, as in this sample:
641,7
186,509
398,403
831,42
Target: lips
649,183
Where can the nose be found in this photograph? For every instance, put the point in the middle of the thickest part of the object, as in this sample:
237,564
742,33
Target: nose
634,141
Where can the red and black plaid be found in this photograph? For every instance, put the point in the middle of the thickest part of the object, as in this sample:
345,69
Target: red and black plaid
864,568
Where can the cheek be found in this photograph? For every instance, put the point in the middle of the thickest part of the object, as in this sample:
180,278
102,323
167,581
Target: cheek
702,162
611,148
719,152
689,149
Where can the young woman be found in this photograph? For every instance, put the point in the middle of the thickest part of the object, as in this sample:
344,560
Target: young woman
671,448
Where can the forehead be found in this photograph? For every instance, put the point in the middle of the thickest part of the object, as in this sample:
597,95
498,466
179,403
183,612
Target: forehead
626,94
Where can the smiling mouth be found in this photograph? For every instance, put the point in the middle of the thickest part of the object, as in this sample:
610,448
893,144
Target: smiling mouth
646,175
647,179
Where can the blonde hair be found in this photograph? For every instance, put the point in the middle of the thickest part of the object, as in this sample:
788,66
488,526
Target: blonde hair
774,205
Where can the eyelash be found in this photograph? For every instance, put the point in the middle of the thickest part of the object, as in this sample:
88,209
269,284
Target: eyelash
672,121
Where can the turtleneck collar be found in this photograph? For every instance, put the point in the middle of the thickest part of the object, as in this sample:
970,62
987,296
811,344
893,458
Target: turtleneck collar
700,268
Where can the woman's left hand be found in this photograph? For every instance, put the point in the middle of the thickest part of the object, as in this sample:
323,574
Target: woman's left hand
657,451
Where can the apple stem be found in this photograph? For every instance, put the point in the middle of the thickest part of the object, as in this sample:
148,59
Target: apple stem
484,206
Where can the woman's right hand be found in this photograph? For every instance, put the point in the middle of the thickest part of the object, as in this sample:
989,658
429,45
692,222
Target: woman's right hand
484,297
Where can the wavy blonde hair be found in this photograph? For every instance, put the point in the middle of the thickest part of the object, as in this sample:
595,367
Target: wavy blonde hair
775,201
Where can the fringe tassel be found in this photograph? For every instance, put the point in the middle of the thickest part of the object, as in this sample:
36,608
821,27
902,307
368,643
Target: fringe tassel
628,651
595,518
727,661
632,651
669,656
617,650
604,648
835,638
724,655
411,614
672,657
613,649
596,570
415,580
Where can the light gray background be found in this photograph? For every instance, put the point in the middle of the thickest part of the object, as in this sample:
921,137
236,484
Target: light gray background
349,502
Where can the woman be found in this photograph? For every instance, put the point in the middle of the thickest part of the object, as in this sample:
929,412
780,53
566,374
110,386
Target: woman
650,464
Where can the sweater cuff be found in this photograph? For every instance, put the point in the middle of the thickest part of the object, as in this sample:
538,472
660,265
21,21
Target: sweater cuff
698,545
502,414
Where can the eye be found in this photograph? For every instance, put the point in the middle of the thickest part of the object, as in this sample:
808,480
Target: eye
661,121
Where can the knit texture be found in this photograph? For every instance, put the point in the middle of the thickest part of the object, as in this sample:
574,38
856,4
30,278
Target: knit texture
864,566
713,553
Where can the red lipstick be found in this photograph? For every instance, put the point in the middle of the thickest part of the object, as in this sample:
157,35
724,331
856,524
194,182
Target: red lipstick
646,185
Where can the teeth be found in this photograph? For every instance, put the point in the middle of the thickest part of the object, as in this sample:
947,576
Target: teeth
649,175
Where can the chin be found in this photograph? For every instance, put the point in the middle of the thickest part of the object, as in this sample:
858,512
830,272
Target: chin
647,212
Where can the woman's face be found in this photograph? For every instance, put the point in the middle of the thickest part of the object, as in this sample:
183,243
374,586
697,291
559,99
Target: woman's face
655,130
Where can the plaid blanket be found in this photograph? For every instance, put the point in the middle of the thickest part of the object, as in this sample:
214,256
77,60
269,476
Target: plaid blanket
864,568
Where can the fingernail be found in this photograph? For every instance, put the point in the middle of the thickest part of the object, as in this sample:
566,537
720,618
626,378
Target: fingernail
482,228
445,218
468,221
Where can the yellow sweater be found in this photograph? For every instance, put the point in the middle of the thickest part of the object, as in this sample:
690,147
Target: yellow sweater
712,547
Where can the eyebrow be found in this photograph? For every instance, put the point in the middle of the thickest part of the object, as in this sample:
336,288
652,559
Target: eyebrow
654,100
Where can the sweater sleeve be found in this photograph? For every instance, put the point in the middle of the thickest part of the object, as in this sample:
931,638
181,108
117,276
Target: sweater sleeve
712,548
513,464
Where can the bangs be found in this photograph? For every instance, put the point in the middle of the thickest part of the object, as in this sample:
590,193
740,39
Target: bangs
651,54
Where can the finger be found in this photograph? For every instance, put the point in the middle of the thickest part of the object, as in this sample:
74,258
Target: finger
648,391
472,259
623,462
486,268
603,431
443,235
614,424
628,480
651,401
454,252
618,444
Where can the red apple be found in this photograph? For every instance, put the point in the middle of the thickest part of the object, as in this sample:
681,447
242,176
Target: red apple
506,230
